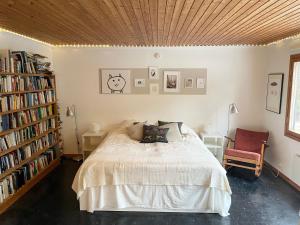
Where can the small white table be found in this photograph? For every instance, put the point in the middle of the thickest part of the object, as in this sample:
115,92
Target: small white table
215,144
90,141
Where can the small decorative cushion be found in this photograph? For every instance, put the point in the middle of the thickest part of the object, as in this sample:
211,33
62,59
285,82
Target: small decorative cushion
242,154
135,131
161,123
154,134
173,134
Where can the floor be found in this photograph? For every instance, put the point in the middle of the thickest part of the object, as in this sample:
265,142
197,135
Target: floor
264,201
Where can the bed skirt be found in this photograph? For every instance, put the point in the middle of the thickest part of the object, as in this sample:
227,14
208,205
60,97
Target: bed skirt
171,198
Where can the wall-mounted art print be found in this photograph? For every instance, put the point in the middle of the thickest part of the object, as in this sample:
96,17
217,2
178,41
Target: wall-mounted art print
200,83
188,82
274,92
139,82
115,81
154,89
153,73
171,81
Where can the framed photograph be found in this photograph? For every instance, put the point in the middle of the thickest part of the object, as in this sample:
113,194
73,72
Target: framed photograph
154,89
139,82
153,73
188,82
171,81
274,92
200,83
115,81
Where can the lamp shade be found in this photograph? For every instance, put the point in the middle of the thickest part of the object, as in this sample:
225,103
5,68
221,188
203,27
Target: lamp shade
233,109
69,112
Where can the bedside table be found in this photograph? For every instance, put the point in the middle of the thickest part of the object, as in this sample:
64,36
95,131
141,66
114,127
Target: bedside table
215,144
90,141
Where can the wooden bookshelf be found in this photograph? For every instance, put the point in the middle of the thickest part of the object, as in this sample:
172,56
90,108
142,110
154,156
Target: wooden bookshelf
42,173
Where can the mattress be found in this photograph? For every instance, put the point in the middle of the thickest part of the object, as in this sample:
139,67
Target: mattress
121,167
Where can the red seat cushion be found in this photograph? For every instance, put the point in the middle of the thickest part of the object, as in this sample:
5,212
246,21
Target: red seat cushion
242,154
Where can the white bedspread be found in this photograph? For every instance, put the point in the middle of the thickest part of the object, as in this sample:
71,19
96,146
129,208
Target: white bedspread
120,160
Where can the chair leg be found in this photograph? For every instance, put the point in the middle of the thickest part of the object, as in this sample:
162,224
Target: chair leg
224,163
257,170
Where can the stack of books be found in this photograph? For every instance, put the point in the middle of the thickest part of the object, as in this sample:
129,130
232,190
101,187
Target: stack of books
14,102
23,62
13,182
9,83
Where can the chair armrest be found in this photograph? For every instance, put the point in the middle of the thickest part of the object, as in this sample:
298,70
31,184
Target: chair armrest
230,139
265,144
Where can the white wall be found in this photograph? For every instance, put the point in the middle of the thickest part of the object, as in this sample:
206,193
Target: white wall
235,74
283,150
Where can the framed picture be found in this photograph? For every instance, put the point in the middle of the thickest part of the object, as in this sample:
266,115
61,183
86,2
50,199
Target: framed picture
188,82
139,82
274,92
171,81
154,89
115,81
200,83
153,73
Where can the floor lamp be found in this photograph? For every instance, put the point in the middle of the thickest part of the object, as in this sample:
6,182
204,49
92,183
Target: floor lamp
231,110
72,113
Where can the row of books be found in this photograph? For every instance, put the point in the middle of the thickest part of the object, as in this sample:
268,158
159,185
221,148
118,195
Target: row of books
13,182
18,119
23,62
9,83
16,157
17,137
14,102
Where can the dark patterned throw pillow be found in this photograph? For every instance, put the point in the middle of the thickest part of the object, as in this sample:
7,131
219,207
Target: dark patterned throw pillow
154,134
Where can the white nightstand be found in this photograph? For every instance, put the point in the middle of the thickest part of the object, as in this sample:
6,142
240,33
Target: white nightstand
90,141
215,144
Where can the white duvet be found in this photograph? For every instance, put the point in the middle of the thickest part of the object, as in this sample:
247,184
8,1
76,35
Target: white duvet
120,160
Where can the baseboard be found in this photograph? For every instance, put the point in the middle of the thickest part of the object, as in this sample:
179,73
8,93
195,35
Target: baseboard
284,177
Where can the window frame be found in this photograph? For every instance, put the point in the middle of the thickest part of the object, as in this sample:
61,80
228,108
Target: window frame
287,132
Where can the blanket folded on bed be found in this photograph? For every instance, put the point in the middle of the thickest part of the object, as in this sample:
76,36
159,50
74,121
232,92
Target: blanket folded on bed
120,160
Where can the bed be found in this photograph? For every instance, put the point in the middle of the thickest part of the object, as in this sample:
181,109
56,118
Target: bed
125,175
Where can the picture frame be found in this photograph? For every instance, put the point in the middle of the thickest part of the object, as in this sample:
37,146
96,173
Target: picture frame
200,83
115,81
171,81
188,82
139,82
274,92
153,73
154,89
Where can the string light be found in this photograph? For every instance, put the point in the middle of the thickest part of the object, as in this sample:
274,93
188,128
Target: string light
296,36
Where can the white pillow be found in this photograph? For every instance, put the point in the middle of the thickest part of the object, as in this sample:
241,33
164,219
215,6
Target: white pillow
173,134
135,131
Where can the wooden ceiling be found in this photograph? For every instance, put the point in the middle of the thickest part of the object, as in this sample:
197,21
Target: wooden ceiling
152,22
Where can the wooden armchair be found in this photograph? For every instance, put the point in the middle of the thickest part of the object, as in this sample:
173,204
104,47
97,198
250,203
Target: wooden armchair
247,151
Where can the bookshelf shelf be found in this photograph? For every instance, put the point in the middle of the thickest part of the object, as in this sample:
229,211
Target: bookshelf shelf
29,184
26,125
23,92
26,108
36,153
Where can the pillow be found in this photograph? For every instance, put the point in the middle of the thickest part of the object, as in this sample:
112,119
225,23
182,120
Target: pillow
154,134
173,134
161,123
135,131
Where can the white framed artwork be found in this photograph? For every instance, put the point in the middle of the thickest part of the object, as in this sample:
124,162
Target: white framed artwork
153,73
188,82
200,83
115,81
274,92
171,81
139,82
154,89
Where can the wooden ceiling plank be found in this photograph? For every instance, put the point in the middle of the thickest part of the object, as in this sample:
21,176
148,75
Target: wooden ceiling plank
255,21
168,17
217,12
147,20
190,17
272,22
174,20
187,6
246,11
244,19
153,17
161,12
